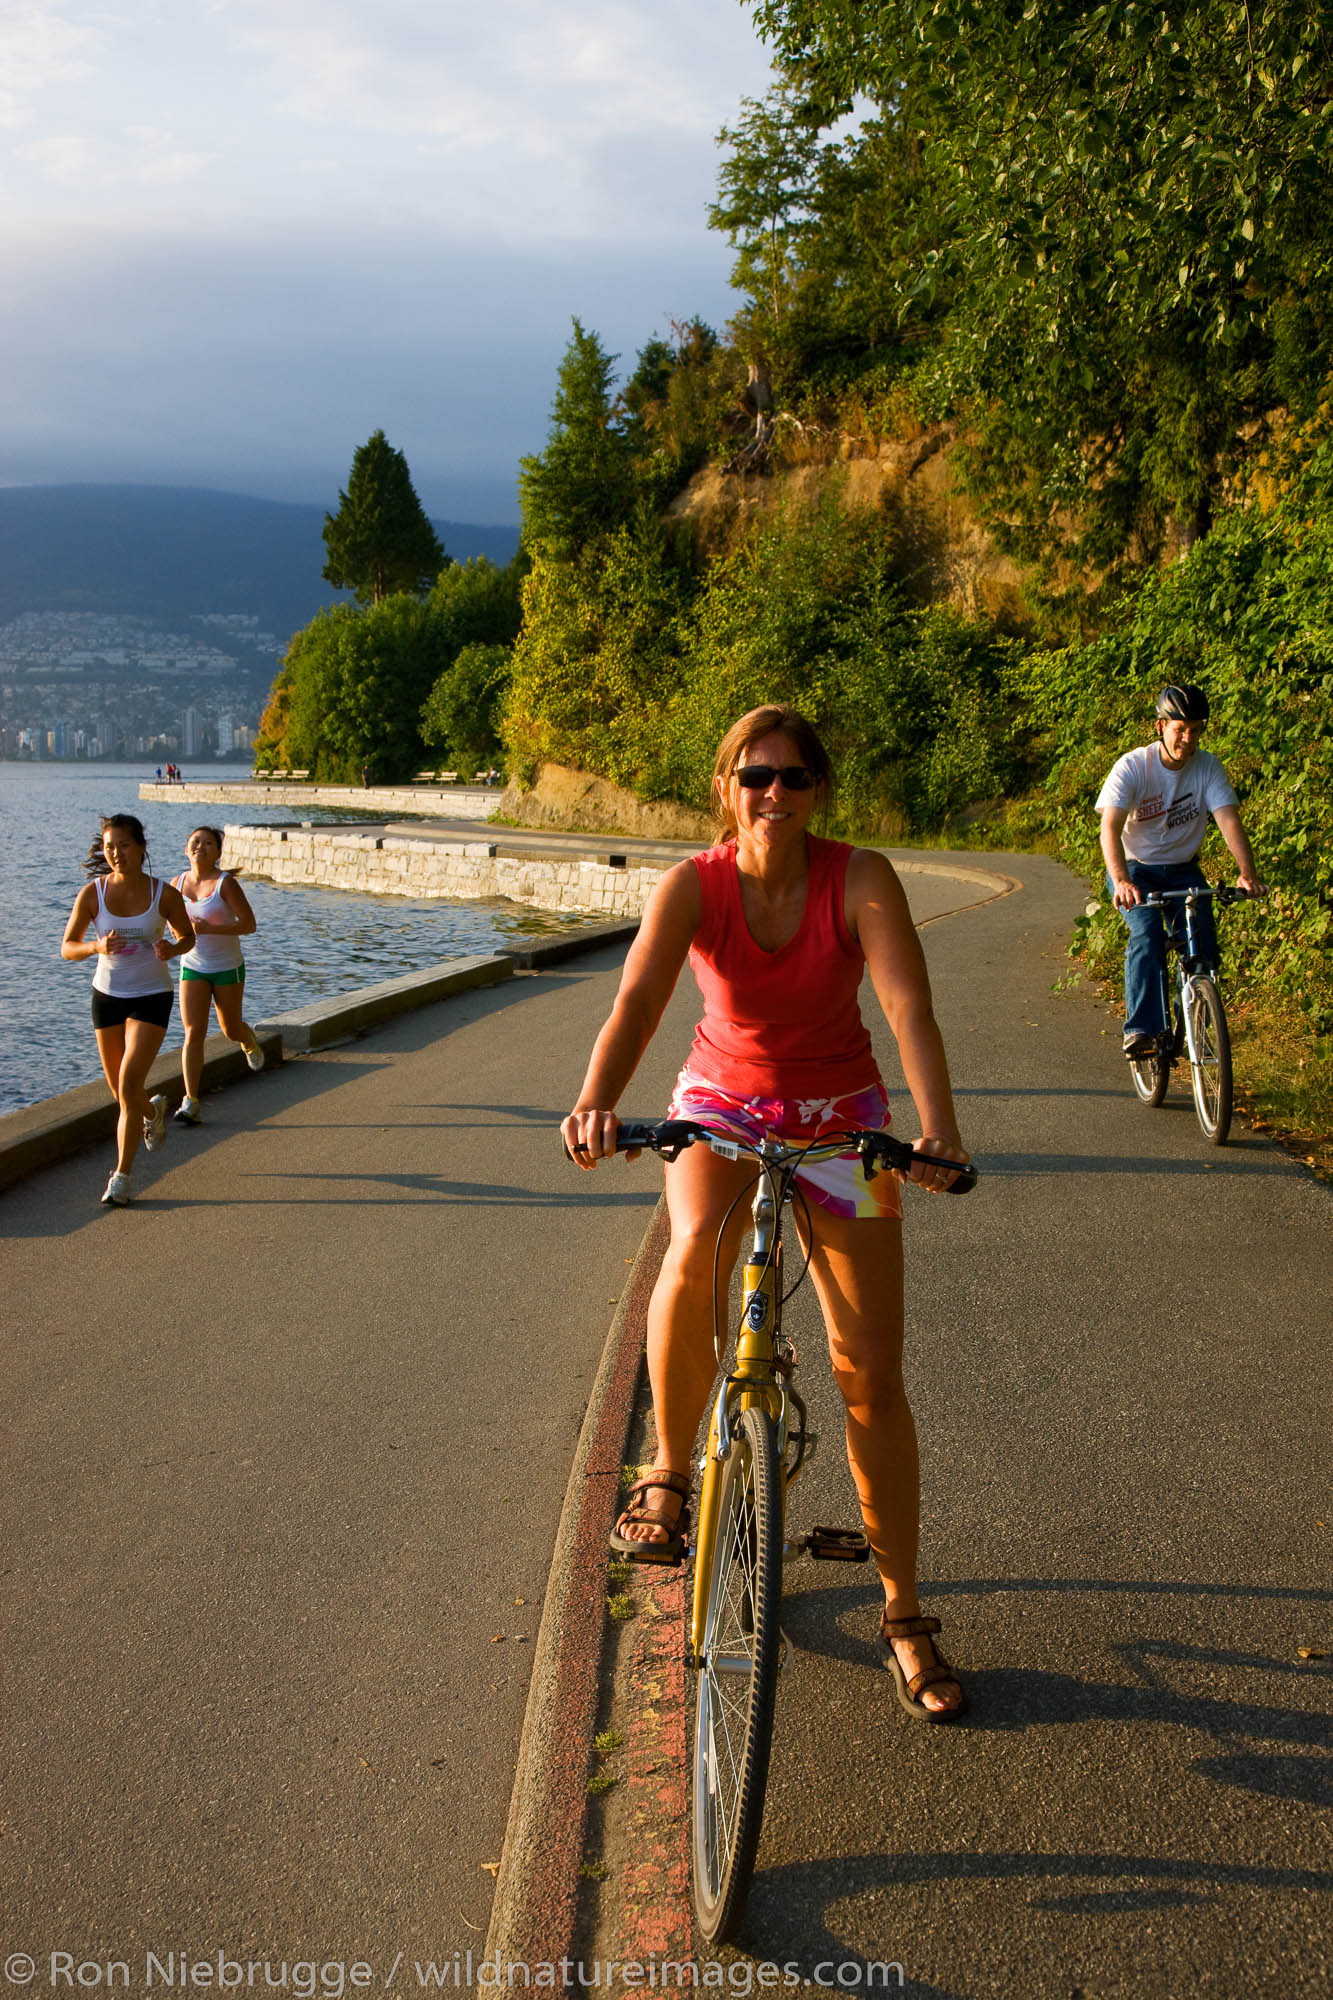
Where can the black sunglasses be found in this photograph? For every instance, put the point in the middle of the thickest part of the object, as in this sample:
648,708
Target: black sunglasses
758,777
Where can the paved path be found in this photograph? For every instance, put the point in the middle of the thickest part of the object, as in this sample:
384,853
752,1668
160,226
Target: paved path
1120,1351
289,1441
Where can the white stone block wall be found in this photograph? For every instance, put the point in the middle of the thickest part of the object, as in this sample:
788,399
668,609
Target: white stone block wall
327,858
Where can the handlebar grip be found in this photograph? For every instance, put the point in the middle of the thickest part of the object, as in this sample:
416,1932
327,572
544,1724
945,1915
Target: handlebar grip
888,1151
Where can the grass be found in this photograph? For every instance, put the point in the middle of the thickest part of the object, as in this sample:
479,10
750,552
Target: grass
593,1871
621,1606
601,1781
1284,1079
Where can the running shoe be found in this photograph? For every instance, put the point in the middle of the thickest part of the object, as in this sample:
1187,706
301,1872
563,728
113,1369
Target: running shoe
155,1128
118,1194
255,1056
186,1112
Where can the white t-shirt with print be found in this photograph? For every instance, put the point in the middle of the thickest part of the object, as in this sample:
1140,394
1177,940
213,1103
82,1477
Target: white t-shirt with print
1168,810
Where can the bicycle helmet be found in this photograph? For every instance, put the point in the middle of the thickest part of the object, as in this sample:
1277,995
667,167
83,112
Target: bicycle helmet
1181,701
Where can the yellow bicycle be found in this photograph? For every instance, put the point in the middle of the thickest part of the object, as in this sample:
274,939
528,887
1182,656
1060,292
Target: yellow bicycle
758,1440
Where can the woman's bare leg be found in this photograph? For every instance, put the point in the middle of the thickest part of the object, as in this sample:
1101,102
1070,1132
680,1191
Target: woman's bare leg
228,1000
111,1049
194,1016
681,1361
857,1268
142,1042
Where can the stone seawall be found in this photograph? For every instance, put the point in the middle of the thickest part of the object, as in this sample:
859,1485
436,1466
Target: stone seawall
397,865
436,801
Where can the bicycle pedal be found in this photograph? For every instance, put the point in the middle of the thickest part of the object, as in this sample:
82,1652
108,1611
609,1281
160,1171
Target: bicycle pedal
846,1545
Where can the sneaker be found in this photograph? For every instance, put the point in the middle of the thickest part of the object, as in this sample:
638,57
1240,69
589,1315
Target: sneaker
186,1112
255,1056
155,1128
118,1194
1137,1045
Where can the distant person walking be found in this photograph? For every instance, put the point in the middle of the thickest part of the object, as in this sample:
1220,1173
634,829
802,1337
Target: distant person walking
129,911
214,971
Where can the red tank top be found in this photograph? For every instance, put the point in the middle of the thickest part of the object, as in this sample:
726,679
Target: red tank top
780,1023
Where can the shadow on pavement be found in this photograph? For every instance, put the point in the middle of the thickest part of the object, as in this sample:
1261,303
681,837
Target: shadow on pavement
1116,1883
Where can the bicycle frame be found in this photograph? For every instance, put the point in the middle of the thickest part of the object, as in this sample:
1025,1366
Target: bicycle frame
759,1377
1190,965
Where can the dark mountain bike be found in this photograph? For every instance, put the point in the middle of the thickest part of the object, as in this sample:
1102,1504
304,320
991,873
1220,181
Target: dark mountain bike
1196,1030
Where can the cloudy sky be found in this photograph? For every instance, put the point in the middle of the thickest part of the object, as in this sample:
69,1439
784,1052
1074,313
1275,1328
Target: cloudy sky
239,235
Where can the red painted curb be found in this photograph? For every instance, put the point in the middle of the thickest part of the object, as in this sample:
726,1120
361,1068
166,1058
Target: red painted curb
536,1897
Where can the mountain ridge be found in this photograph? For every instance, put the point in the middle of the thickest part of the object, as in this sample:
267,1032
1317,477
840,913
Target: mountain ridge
176,551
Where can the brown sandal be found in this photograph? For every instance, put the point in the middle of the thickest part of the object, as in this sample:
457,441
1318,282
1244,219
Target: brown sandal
670,1553
936,1676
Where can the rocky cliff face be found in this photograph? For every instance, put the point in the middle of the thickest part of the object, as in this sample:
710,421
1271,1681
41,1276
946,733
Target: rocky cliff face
945,554
577,802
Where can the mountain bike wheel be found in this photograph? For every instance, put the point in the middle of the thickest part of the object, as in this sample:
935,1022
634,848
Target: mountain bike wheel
738,1675
1210,1073
1150,1075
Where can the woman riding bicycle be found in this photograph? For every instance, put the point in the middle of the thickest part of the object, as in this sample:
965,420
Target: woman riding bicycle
778,926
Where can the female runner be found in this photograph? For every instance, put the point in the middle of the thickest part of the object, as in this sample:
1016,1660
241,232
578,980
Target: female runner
778,926
129,912
215,969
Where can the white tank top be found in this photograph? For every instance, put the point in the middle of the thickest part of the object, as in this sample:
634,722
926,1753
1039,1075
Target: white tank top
136,969
210,954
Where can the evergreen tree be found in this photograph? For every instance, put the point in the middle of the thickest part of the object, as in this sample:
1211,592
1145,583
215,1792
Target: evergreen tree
581,487
380,540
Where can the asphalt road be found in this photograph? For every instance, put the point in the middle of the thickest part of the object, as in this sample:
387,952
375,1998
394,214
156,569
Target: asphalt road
1120,1349
288,1444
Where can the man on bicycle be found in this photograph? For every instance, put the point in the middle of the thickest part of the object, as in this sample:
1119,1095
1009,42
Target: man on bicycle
1154,807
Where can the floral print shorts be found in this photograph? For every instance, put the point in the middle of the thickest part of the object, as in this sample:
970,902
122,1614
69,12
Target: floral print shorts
839,1184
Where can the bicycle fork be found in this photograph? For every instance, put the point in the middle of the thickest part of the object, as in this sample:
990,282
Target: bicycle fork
1186,993
756,1378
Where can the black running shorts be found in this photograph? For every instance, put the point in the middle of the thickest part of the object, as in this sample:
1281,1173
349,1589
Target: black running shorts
109,1011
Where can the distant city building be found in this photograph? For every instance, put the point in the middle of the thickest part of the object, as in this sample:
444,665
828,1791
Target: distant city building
191,733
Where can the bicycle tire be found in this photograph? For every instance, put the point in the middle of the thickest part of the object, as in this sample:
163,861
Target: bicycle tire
733,1719
1210,1074
1150,1075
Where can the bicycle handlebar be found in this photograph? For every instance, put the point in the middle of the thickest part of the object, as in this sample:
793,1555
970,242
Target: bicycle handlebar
1225,893
669,1137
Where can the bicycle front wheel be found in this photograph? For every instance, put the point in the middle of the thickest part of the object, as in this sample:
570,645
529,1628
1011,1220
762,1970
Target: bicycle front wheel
733,1723
1210,1071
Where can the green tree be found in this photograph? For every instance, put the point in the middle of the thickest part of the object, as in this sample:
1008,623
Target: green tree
358,680
271,741
380,540
596,657
1128,217
461,715
581,486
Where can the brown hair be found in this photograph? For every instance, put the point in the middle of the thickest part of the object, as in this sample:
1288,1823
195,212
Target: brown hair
774,715
96,863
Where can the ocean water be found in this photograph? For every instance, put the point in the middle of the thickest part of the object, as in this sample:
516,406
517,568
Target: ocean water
310,943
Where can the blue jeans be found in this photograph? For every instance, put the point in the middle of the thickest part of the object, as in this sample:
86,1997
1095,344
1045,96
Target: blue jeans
1145,954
